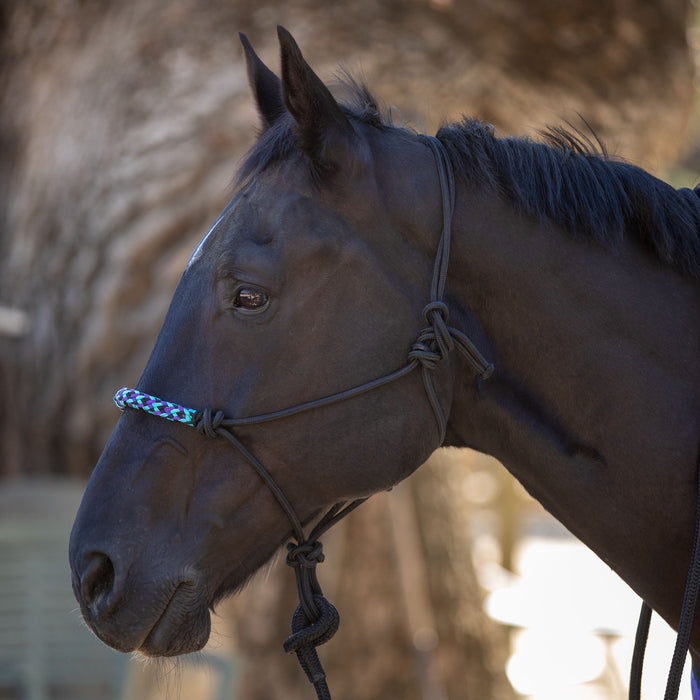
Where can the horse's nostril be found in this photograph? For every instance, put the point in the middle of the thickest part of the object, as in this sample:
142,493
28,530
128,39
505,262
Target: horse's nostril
97,580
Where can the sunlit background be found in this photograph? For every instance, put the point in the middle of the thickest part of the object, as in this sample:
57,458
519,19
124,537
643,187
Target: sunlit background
120,127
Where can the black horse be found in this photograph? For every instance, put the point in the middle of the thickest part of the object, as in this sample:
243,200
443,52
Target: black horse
574,277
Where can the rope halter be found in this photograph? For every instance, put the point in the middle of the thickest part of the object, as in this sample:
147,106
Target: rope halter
316,620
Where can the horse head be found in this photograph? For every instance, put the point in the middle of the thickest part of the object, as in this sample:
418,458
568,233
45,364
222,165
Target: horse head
313,280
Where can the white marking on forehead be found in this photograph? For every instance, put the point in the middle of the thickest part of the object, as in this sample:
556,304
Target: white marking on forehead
197,252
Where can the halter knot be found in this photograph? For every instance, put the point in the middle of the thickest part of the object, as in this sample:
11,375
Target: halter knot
305,554
435,341
206,424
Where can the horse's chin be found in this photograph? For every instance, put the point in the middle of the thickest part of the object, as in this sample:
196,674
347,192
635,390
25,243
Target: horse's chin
179,624
182,627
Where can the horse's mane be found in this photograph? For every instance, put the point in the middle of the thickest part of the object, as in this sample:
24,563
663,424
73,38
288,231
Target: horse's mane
565,177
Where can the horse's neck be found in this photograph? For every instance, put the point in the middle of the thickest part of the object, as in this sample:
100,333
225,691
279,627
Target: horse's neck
594,405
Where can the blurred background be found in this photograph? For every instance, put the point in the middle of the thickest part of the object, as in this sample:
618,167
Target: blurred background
121,124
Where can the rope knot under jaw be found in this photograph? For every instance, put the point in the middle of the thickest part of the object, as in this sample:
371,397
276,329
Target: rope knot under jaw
305,554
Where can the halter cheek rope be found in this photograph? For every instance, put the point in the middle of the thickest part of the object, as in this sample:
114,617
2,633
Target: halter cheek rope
316,620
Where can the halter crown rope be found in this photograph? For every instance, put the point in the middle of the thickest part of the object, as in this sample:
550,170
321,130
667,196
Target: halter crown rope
316,620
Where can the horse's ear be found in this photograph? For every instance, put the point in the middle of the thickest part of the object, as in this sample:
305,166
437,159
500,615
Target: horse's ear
324,131
265,86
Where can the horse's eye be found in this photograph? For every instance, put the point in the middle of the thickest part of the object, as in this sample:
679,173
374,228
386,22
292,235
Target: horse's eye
251,299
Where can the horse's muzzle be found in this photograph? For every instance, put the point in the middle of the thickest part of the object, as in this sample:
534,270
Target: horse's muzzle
166,618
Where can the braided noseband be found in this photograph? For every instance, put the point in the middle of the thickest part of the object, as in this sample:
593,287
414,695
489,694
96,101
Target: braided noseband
316,620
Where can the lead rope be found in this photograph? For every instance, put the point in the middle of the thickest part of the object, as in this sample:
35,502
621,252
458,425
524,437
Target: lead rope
316,619
685,625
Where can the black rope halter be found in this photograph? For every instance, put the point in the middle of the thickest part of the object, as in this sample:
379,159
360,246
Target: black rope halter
316,620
